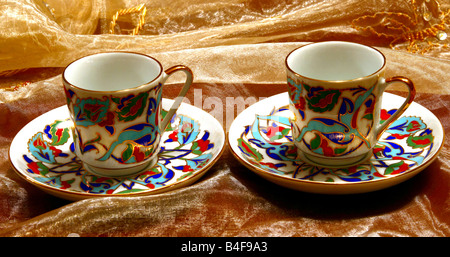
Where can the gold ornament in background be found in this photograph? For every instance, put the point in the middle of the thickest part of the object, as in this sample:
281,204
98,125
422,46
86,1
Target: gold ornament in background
427,23
141,9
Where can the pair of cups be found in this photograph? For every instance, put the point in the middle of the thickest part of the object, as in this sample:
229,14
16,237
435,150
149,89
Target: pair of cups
334,88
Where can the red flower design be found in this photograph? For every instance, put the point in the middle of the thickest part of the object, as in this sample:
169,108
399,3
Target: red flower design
377,149
56,151
138,154
327,151
65,185
149,173
274,130
135,108
38,143
186,127
401,169
398,136
384,115
174,135
300,104
269,164
425,141
324,102
203,144
370,109
34,167
291,151
292,87
413,126
187,168
93,110
352,170
109,121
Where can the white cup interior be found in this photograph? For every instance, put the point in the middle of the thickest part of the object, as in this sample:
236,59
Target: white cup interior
112,71
335,61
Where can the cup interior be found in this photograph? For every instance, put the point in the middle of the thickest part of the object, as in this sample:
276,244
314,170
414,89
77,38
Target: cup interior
112,71
335,61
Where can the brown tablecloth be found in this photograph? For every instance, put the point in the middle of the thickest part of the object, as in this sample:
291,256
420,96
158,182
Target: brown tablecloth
243,61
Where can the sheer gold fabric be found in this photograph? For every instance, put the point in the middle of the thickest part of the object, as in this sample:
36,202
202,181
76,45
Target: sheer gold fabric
52,33
235,48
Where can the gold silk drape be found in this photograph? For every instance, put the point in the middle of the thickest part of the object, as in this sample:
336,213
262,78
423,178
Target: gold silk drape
52,33
235,48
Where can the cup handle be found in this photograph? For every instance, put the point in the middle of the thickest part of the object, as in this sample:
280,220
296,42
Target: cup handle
189,78
403,107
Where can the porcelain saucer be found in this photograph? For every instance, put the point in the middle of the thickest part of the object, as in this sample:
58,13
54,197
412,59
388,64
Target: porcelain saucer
260,138
43,154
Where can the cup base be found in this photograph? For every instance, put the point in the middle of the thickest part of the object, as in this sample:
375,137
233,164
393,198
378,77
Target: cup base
105,172
333,163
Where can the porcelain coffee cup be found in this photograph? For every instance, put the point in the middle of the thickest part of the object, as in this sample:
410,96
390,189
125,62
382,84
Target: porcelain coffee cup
335,91
114,100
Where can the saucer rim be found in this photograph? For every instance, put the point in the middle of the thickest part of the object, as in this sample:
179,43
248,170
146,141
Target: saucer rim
74,196
345,187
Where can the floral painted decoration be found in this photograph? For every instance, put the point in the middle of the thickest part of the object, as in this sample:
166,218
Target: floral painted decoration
353,109
186,150
268,144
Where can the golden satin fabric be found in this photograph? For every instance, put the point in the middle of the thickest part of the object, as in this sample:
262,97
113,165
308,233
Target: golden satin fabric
235,48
